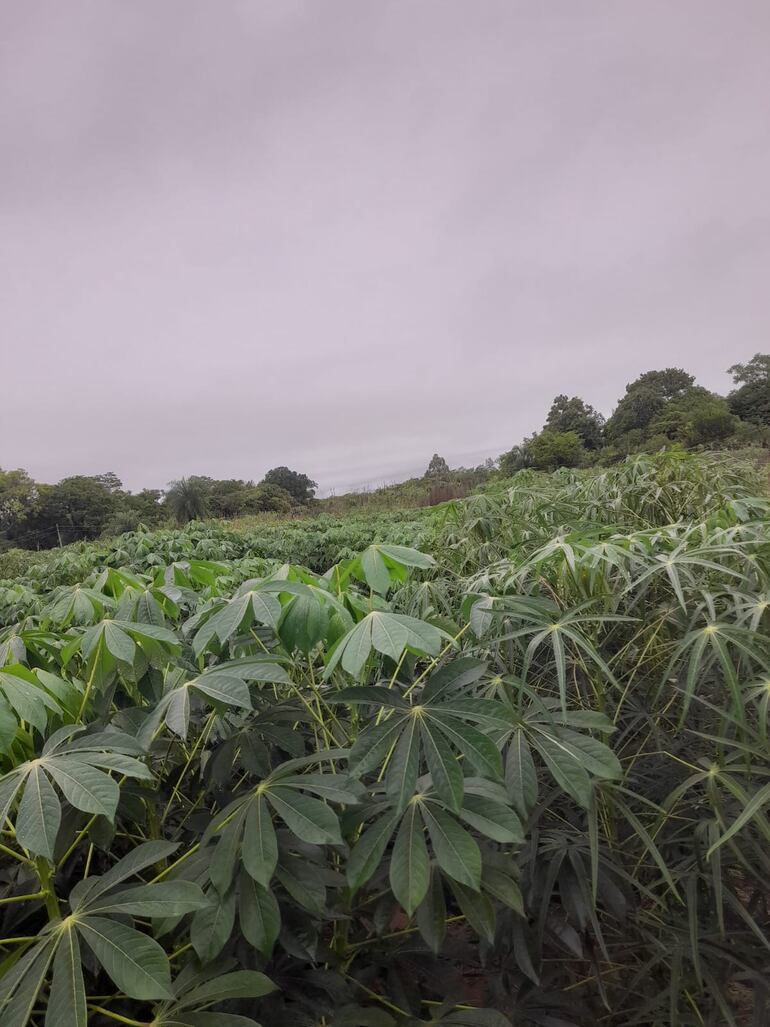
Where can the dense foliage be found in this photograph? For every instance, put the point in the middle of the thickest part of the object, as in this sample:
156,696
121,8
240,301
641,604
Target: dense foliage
522,779
659,409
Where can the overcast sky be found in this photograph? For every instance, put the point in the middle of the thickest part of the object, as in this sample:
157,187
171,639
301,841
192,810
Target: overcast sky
342,235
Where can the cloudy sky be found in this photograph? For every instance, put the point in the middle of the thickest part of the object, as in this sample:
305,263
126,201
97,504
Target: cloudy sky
344,234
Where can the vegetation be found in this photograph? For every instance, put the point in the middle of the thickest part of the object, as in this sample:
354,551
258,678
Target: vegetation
507,763
659,409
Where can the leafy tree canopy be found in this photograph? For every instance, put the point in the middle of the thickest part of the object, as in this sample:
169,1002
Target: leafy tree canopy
645,399
572,414
753,371
751,400
437,467
552,449
300,486
187,499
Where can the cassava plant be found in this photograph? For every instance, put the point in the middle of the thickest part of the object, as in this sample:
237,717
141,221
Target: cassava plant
521,780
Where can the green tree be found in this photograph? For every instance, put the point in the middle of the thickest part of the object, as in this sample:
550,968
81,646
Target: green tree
753,371
645,399
187,498
269,499
573,414
696,417
516,459
751,400
76,508
437,468
17,497
552,449
300,486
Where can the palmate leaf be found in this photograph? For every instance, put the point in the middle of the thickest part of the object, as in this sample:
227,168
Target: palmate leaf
27,697
387,633
253,603
75,768
246,832
383,566
435,727
136,963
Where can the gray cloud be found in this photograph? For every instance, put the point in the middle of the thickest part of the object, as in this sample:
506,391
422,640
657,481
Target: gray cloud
344,235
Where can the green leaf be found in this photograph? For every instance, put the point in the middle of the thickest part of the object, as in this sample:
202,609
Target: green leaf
136,963
118,643
223,688
259,915
565,764
301,880
225,855
401,777
211,927
267,608
493,820
373,745
477,910
153,901
260,847
375,571
432,915
455,850
368,851
453,677
304,624
137,860
445,772
310,819
85,787
520,774
21,985
67,998
389,637
480,752
240,984
355,648
409,865
39,816
503,887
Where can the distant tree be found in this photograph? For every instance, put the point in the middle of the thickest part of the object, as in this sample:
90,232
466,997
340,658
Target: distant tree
573,414
753,371
675,417
751,400
645,399
111,482
269,499
76,508
516,459
17,497
300,486
228,498
711,422
552,449
186,499
437,467
147,505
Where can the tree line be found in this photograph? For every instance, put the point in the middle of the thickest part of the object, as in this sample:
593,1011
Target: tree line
658,409
34,515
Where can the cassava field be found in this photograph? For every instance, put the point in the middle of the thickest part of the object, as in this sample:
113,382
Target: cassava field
503,762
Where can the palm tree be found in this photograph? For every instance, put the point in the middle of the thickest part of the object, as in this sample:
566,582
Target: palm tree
187,500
